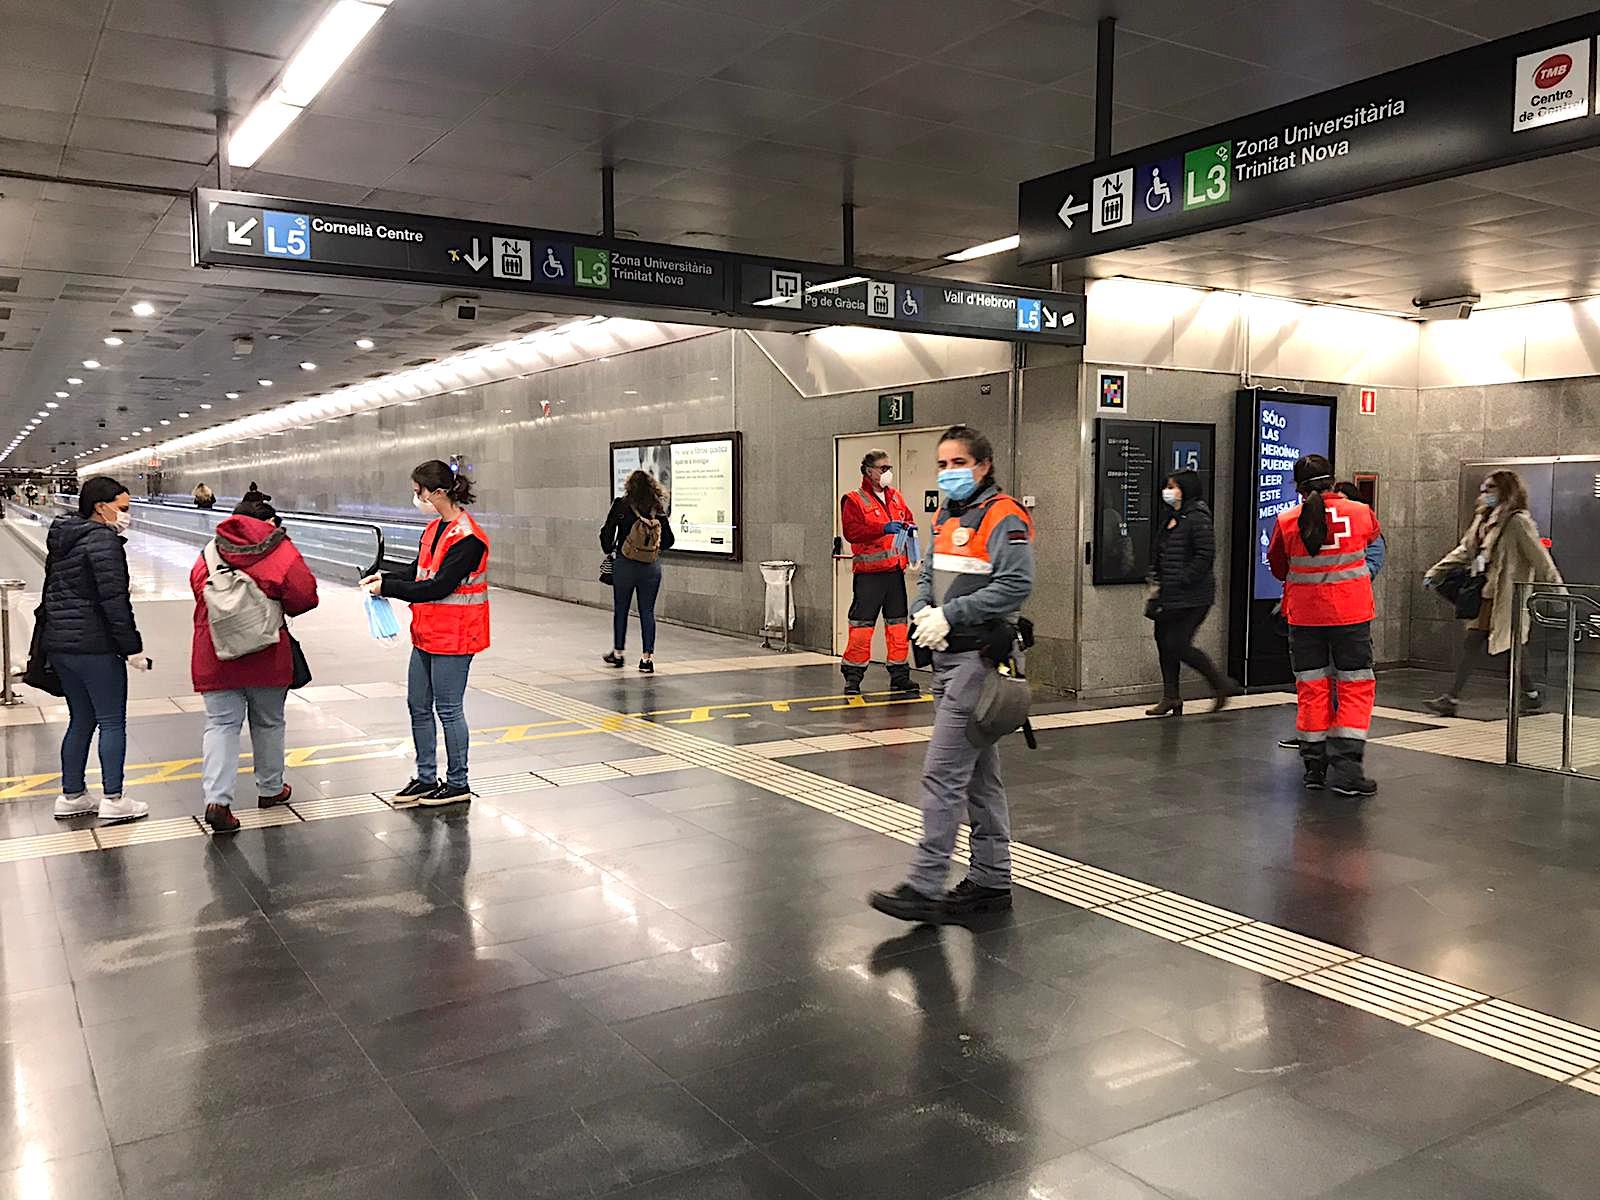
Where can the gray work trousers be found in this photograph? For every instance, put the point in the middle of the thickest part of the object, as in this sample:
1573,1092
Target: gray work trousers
958,778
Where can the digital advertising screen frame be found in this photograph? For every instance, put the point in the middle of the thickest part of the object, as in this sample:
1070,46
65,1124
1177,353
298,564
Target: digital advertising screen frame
1271,430
687,467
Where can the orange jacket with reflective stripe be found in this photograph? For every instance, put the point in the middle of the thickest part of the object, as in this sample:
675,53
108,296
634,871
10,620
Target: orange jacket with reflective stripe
862,516
458,624
1333,586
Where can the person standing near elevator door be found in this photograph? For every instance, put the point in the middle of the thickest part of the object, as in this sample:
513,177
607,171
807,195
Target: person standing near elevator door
876,521
1319,550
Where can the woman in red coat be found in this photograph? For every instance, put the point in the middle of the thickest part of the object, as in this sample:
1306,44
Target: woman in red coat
255,686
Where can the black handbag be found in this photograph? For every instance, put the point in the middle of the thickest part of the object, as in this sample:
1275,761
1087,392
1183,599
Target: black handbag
608,570
302,669
1464,591
39,673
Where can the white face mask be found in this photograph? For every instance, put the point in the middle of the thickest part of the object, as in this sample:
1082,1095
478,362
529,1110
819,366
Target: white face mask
124,520
1171,496
886,479
420,502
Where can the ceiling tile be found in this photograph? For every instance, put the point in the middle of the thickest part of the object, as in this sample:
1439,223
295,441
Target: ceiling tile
50,91
1005,158
915,29
654,32
671,145
396,50
594,83
547,23
129,168
146,138
43,45
271,27
1037,115
810,66
732,108
851,130
775,14
1035,47
344,150
930,91
396,102
184,66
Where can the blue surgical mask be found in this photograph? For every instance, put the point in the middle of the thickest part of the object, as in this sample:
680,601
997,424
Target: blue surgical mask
1490,499
958,482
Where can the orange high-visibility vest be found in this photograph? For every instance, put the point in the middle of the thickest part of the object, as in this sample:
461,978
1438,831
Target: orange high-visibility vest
877,555
458,623
1333,586
960,549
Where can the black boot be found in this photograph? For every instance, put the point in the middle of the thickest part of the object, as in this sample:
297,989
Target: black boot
1167,708
905,903
900,680
853,675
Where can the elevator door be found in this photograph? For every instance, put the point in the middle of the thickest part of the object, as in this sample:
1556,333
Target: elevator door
914,457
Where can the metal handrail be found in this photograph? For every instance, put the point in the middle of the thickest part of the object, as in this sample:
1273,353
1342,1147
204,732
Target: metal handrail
300,518
1575,632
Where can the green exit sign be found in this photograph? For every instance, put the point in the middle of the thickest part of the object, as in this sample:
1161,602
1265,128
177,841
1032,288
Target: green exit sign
894,408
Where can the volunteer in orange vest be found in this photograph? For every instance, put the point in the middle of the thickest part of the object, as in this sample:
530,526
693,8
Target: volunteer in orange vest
1319,550
448,590
876,520
969,596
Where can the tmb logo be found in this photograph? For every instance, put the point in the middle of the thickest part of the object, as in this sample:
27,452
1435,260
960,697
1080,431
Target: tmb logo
1552,71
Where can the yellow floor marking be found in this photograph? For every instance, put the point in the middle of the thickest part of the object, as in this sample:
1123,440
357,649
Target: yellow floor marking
702,713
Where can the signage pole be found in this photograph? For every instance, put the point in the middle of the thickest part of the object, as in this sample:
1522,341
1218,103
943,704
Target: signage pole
608,200
848,225
224,176
1104,71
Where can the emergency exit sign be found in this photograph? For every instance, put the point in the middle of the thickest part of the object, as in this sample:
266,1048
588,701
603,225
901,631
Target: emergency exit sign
894,408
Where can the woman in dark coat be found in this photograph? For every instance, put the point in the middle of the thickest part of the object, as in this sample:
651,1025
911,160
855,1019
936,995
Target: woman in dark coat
1186,588
90,638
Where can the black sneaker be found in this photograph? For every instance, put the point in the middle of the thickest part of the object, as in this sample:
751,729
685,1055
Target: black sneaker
614,660
905,903
1289,743
1316,779
221,819
969,899
1359,786
417,787
1445,706
445,793
647,665
1530,704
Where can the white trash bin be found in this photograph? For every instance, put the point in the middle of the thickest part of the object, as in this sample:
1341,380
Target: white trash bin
779,618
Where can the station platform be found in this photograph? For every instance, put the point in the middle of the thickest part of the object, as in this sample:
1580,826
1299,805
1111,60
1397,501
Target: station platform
641,963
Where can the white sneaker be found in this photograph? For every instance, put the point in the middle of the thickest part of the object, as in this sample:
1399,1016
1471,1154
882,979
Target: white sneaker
115,810
73,806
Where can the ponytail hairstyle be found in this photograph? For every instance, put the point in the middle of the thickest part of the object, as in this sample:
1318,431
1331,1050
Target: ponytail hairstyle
1313,476
436,476
978,448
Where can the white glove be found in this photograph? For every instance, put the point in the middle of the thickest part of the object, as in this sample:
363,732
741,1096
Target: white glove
932,629
139,662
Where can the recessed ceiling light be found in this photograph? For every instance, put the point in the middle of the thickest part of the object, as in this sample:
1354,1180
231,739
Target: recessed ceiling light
113,341
630,392
365,343
61,396
183,414
92,364
51,404
42,413
308,366
984,249
205,406
74,380
124,437
147,429
144,309
231,395
264,382
164,421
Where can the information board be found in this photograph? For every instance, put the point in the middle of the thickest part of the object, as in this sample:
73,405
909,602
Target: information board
1126,496
1285,430
1519,98
702,478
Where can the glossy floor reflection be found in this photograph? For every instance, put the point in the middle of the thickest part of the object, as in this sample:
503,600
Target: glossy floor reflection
669,985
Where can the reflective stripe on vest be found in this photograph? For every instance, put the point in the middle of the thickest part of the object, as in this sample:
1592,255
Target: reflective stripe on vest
879,552
960,564
972,557
1334,586
459,622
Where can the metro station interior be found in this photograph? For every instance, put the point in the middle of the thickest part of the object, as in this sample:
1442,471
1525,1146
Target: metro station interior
764,252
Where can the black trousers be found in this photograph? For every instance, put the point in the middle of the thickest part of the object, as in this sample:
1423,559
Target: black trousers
1175,645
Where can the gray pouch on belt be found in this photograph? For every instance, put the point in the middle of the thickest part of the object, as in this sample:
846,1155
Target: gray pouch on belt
1001,709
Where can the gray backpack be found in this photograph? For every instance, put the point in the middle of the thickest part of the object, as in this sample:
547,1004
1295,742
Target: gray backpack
243,618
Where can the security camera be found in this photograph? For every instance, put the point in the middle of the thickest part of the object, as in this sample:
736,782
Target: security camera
100,424
243,347
1447,308
461,308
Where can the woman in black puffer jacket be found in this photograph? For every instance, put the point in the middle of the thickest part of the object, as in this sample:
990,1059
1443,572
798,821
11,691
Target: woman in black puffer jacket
90,639
1186,547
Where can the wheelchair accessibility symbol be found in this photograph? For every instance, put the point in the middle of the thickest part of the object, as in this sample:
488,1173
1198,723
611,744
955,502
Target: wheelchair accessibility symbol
1154,188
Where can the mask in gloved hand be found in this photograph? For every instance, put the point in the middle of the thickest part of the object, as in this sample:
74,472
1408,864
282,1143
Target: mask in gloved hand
1171,497
124,521
886,480
958,482
420,502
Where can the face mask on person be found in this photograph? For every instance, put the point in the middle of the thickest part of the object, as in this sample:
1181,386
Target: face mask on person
420,502
124,520
886,479
1171,497
1490,499
958,482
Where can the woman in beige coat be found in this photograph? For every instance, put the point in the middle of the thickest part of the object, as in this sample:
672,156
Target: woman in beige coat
1504,546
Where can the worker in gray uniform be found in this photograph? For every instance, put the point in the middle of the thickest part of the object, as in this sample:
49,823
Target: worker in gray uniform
969,595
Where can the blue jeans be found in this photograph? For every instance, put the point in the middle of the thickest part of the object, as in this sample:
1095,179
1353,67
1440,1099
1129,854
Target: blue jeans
97,696
225,712
437,683
628,578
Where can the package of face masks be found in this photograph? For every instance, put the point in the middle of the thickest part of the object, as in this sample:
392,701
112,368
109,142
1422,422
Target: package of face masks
381,621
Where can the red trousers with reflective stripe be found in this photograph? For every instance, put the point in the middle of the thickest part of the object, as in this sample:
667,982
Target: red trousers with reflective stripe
874,594
1336,690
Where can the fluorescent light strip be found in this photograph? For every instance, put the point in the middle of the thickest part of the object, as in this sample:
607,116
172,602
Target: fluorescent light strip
984,249
336,36
403,387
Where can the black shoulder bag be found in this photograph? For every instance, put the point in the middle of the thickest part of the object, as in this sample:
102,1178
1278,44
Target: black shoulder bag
39,673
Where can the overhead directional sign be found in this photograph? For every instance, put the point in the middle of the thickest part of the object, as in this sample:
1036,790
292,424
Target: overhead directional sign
815,294
236,229
241,230
1519,98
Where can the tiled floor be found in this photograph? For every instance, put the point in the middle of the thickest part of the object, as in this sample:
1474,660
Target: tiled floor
658,978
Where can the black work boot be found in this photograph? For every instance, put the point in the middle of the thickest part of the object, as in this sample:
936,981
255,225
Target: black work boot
905,903
900,681
970,899
853,675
